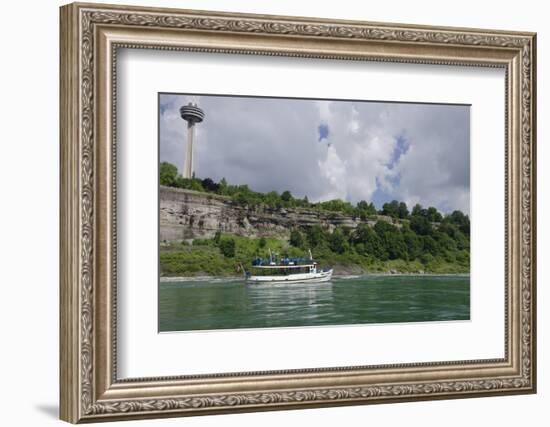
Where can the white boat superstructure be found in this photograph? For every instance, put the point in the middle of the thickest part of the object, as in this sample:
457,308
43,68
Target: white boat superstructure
287,271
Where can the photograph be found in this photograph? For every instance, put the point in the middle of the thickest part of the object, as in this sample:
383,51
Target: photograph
277,209
292,212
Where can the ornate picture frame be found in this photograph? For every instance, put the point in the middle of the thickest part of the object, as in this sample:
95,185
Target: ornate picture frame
90,37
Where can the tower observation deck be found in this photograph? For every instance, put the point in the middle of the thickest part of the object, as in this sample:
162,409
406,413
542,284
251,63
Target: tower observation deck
192,114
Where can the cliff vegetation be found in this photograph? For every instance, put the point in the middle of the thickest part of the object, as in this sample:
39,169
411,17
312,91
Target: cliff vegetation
422,240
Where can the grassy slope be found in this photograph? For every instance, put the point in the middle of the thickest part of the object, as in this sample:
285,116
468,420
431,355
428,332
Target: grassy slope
205,259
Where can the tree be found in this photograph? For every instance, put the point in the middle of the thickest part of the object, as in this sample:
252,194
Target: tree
367,242
273,199
391,209
296,239
426,258
366,209
402,211
395,245
362,205
168,173
444,241
421,225
286,196
382,227
392,241
433,215
338,242
222,187
449,229
227,247
417,210
315,235
462,241
196,184
414,244
337,205
242,198
182,182
460,220
430,245
209,185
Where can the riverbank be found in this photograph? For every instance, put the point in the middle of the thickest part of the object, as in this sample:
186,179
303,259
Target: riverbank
228,279
207,262
225,257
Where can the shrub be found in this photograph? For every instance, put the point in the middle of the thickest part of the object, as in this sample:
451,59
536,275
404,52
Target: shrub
227,247
262,242
296,239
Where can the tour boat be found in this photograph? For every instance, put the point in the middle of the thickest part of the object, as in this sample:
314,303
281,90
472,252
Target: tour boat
286,270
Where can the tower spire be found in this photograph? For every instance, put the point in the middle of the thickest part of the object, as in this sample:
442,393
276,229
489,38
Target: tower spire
192,114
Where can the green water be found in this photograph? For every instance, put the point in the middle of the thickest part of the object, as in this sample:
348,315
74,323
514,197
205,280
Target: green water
223,304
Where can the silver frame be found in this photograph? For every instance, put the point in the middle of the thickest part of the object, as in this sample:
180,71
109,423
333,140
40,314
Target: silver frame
90,37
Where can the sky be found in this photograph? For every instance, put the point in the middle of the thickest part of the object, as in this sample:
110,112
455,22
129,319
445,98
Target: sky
328,149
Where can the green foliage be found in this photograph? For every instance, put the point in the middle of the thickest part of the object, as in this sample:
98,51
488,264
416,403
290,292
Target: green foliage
188,183
340,206
262,242
367,242
227,247
194,261
431,214
416,210
402,211
286,196
209,185
392,242
338,242
366,209
296,239
202,242
430,245
168,173
420,225
460,220
243,195
395,209
315,236
414,244
389,209
382,227
420,240
388,249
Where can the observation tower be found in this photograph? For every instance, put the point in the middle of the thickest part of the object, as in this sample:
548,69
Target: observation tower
192,115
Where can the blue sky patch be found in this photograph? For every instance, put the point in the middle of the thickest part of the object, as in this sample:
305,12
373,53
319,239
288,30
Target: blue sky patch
401,148
323,131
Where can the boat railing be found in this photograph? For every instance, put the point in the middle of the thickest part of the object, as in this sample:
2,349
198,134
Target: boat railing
282,261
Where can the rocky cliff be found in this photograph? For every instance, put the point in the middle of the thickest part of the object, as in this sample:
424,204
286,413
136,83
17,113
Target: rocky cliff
186,215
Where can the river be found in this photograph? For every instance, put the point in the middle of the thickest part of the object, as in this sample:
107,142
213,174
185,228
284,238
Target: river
207,304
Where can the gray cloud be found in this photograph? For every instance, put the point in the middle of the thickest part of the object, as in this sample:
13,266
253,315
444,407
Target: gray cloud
417,153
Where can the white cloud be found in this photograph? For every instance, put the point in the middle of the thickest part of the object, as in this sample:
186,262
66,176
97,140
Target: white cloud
334,170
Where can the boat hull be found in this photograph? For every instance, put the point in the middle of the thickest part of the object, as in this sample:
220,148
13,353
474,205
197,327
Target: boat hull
322,276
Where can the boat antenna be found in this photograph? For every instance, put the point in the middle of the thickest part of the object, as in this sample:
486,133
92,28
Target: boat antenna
270,255
310,256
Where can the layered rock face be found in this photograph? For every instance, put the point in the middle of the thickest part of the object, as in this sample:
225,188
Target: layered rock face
187,215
